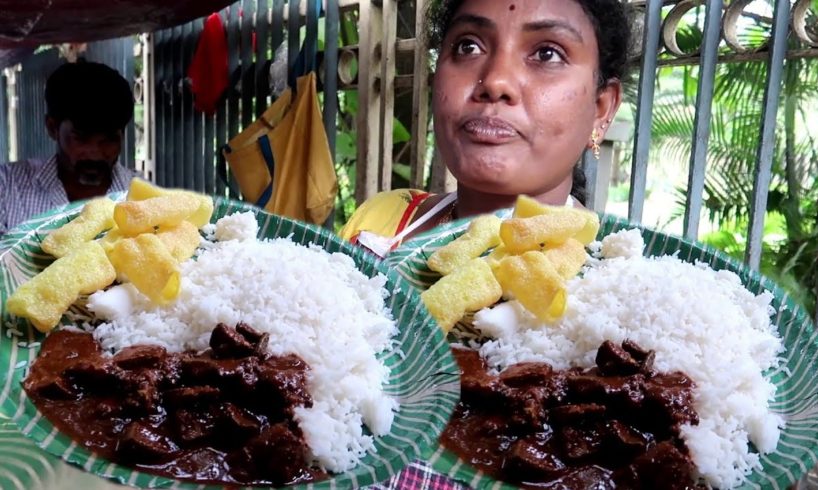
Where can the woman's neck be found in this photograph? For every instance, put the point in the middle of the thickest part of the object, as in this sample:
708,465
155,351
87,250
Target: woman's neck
472,203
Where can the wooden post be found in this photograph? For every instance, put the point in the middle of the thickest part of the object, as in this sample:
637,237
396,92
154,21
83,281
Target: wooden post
420,101
370,27
441,180
389,16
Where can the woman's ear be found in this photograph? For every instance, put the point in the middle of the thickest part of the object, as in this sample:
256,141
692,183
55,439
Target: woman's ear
608,100
53,128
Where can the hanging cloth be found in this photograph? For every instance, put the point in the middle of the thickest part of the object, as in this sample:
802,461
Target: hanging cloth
208,73
282,161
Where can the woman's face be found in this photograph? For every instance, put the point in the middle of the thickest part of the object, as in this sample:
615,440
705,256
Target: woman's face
516,94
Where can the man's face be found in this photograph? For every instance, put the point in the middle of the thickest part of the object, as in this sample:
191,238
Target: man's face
88,157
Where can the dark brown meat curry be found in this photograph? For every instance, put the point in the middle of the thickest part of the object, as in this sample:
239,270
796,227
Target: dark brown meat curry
224,416
612,426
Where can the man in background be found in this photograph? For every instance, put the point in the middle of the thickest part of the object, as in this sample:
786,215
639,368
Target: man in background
88,106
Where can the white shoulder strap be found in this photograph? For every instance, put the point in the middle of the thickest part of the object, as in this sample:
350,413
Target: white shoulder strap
436,209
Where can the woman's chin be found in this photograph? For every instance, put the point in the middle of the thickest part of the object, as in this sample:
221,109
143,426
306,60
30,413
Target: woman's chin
494,175
496,186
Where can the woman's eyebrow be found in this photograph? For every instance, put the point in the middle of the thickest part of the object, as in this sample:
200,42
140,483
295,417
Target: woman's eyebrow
555,25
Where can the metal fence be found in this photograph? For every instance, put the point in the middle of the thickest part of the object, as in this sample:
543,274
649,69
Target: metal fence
187,142
719,30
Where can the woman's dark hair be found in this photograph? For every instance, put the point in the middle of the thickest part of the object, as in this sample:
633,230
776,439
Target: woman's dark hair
93,96
579,185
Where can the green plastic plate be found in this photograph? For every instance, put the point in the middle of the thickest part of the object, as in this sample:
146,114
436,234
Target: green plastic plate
424,377
797,392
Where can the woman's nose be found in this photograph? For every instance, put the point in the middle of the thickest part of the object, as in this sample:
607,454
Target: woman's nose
499,80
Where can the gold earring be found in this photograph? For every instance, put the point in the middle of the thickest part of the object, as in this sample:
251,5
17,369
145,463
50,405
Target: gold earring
595,143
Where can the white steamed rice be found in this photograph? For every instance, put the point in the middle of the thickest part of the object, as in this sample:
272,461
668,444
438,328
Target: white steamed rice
312,303
699,321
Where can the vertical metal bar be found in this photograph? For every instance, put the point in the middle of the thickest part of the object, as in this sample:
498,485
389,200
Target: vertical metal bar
644,109
196,149
209,157
704,104
13,108
248,72
263,56
188,113
148,77
160,104
311,35
277,31
167,89
331,30
4,125
220,129
126,49
766,147
590,166
293,39
177,163
21,94
235,77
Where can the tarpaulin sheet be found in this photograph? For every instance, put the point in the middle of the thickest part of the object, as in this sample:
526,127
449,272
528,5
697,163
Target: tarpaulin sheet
30,23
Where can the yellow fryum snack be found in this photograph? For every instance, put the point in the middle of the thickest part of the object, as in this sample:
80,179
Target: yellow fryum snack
552,228
470,287
45,297
588,232
149,265
96,216
202,215
533,281
527,234
140,190
111,238
181,240
527,207
496,256
567,258
136,217
483,233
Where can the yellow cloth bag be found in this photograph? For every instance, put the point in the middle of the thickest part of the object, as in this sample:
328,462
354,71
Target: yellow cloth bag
282,162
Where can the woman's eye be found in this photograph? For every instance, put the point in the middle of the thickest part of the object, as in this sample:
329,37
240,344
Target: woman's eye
466,47
548,55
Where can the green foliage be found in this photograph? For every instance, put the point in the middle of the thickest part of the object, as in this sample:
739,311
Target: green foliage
619,193
786,267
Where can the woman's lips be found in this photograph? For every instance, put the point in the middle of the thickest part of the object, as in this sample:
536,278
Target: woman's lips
489,130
